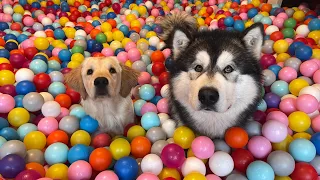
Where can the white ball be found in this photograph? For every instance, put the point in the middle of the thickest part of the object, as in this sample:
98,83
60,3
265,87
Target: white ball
24,74
40,34
56,76
312,91
302,30
161,45
163,117
51,108
221,163
81,32
153,41
128,11
151,163
193,164
188,9
288,96
148,4
47,96
69,24
169,127
316,86
7,9
271,29
46,21
165,91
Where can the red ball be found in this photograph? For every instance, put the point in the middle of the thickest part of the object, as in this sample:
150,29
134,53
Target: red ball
74,95
164,78
236,137
304,171
140,147
157,56
158,68
277,35
101,140
209,10
42,81
30,52
58,136
242,158
6,66
221,22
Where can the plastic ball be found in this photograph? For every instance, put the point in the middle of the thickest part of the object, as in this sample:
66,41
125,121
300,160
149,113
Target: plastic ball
33,101
280,46
193,164
11,165
302,150
51,108
56,153
221,163
281,162
126,168
7,77
242,158
69,124
183,136
236,137
299,121
57,171
304,170
155,134
80,137
274,131
41,43
47,125
25,87
172,156
146,92
18,116
120,148
24,74
80,170
89,124
307,103
13,147
260,170
151,163
259,146
7,103
140,147
202,147
100,159
149,120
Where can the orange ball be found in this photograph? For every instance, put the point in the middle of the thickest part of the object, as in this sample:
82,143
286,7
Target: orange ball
64,100
2,42
36,167
100,159
58,136
136,29
266,7
236,137
94,33
112,22
208,20
140,146
157,56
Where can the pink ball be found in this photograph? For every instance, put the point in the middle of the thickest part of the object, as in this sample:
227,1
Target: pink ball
79,170
88,18
27,43
259,146
130,45
64,112
7,103
127,23
166,52
155,12
307,103
288,105
47,125
123,17
212,177
55,51
212,2
107,52
316,61
144,78
147,176
41,16
282,15
142,22
122,56
107,175
308,68
316,77
289,40
315,124
28,21
274,131
68,41
51,16
288,74
163,106
7,18
148,107
278,116
134,54
202,147
244,16
278,22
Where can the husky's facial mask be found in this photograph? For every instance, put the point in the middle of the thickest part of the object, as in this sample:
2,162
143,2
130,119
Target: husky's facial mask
216,78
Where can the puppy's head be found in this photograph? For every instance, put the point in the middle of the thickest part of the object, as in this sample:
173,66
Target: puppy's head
102,77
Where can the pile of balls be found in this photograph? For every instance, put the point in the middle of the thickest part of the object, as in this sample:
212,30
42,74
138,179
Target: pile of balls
45,134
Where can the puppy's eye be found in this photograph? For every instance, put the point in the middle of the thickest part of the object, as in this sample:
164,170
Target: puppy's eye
89,72
228,69
112,70
198,68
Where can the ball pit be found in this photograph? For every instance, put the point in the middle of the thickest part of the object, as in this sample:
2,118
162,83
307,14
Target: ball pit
46,134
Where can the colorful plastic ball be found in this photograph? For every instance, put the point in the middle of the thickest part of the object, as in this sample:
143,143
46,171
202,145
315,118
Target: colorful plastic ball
107,175
172,156
79,170
281,162
281,46
303,52
17,60
307,103
259,146
302,150
7,103
78,112
89,124
126,168
299,121
42,81
259,170
36,167
47,125
100,159
183,136
202,147
221,163
24,129
242,158
155,134
274,131
236,137
135,131
38,66
33,101
120,148
80,137
18,116
11,165
149,120
35,140
305,171
69,124
151,163
296,85
13,147
78,152
51,108
57,171
314,24
41,43
25,87
140,147
148,107
6,77
28,174
56,153
9,133
193,164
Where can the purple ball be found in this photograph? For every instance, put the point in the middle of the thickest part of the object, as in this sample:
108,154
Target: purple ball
172,156
47,52
28,175
11,165
272,100
17,60
157,29
8,89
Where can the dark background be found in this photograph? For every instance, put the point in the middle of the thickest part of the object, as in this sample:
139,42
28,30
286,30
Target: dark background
295,3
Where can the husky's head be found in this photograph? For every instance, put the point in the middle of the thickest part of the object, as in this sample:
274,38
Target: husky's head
214,71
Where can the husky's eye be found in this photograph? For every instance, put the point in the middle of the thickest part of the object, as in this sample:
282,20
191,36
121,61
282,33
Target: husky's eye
198,68
89,72
112,70
228,69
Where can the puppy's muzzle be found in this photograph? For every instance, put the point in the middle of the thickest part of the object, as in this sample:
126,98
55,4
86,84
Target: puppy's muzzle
101,84
208,97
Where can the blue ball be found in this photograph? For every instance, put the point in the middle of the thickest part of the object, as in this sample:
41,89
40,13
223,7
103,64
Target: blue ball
275,69
252,12
138,105
3,26
239,25
111,15
38,66
59,33
64,55
293,46
11,46
56,153
149,120
79,152
259,170
78,112
96,23
280,88
4,53
96,47
302,150
3,123
9,133
89,124
9,37
126,168
315,139
24,129
40,56
303,52
21,38
56,88
155,100
25,87
147,92
314,24
258,18
228,21
18,100
124,29
266,20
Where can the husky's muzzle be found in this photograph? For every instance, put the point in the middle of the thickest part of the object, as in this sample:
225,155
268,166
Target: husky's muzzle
208,97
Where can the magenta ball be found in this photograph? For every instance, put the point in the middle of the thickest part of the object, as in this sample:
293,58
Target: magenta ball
274,131
17,60
7,103
47,125
8,89
279,116
107,175
287,74
259,146
148,107
147,176
307,103
172,156
28,175
79,170
202,147
267,60
163,106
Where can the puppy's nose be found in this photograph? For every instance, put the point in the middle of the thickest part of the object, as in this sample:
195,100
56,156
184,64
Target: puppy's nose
101,82
208,96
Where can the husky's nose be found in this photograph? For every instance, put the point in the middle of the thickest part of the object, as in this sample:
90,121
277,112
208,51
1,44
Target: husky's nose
208,96
101,82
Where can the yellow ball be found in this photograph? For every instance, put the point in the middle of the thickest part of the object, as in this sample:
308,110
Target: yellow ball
183,136
18,117
282,178
78,57
265,14
35,140
283,145
43,4
131,17
71,2
303,135
315,35
105,27
109,36
150,34
73,64
169,172
31,1
142,10
63,20
120,148
115,45
41,43
58,171
298,15
128,63
315,54
281,46
135,131
135,23
142,40
299,121
123,42
80,137
296,85
200,21
117,35
62,46
4,60
18,9
56,2
282,57
255,3
248,24
195,176
6,77
70,32
81,1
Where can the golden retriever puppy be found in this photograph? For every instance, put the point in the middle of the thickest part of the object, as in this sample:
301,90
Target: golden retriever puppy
105,87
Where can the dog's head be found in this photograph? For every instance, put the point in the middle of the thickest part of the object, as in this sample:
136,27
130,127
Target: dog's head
213,70
102,77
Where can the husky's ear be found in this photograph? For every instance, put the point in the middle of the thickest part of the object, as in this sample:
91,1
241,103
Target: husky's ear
178,31
253,38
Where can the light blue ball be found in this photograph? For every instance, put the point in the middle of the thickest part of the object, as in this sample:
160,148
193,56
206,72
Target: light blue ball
2,140
56,76
54,65
149,120
17,17
280,88
257,18
56,153
302,150
262,106
266,20
89,124
24,129
147,92
260,170
38,66
56,88
78,112
78,152
149,69
138,105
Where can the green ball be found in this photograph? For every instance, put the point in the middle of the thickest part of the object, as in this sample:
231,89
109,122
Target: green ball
77,49
288,32
290,23
101,38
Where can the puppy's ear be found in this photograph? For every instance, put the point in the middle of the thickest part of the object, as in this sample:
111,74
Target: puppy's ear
129,79
253,38
178,31
74,80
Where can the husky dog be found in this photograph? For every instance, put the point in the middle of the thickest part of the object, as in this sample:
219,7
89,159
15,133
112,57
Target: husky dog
215,80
